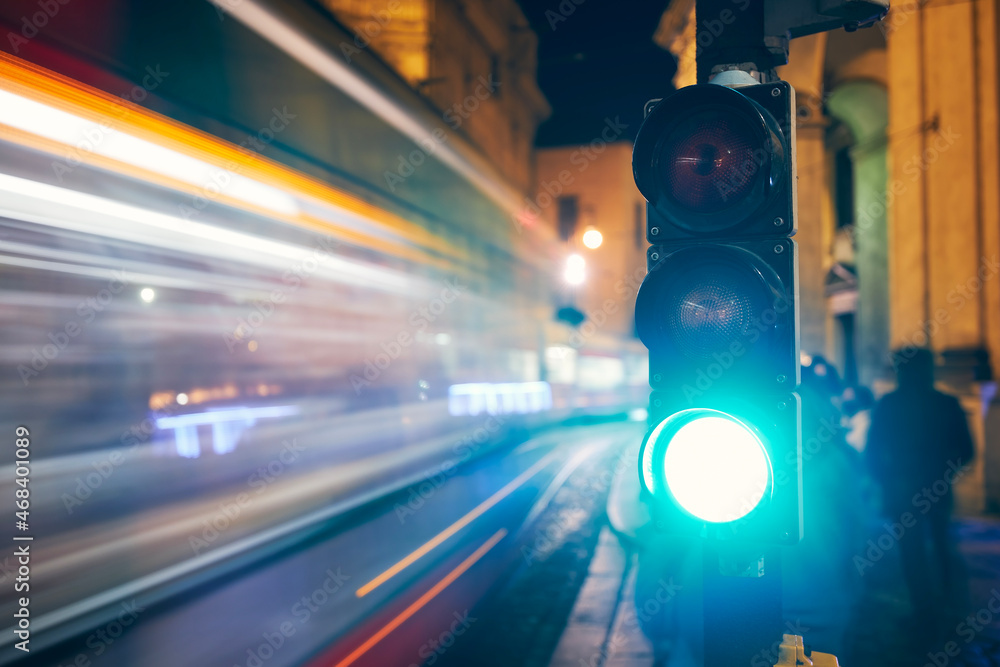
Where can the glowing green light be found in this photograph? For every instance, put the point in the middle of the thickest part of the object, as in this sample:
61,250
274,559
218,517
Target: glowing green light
715,467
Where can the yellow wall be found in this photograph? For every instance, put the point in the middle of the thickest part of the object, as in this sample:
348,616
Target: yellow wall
601,178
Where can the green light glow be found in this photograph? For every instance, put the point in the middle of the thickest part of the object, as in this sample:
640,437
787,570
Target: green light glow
715,467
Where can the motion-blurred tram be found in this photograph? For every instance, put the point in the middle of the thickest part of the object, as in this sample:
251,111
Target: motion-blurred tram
208,286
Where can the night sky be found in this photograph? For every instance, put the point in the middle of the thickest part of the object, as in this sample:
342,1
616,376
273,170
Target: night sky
599,62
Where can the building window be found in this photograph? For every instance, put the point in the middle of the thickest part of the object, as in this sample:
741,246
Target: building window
569,215
495,76
844,187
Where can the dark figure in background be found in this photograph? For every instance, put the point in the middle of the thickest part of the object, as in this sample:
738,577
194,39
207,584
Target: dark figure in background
917,445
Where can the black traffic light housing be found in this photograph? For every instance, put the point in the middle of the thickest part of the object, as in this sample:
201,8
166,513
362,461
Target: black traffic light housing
735,174
778,516
752,341
718,309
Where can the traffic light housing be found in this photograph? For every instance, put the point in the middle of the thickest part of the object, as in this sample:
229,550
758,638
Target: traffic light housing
716,162
718,311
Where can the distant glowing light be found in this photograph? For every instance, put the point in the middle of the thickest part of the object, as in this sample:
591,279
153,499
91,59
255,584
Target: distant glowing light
714,466
593,239
252,346
147,294
226,414
182,399
227,425
499,398
638,415
575,272
442,338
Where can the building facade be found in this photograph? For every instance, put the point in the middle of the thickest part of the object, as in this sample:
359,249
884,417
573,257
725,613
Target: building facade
475,62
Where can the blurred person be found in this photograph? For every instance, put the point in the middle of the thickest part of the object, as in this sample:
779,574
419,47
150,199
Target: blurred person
822,590
857,403
822,376
918,443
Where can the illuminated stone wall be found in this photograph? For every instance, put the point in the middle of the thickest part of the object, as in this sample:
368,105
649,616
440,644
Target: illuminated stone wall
476,62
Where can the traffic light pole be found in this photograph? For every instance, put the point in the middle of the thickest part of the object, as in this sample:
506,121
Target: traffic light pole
731,34
742,608
741,605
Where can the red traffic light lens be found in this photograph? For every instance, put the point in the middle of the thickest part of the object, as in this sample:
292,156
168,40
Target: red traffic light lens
708,162
709,158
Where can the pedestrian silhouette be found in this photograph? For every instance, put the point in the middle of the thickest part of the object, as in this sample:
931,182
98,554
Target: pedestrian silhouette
918,443
857,403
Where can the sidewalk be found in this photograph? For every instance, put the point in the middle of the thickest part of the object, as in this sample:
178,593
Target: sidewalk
602,630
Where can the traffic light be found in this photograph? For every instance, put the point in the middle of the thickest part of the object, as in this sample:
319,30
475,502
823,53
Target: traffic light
718,311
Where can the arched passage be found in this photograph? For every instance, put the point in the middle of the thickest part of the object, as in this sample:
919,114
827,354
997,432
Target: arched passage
862,106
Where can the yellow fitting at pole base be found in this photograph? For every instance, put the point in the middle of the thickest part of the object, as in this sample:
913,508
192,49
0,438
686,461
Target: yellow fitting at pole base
792,653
